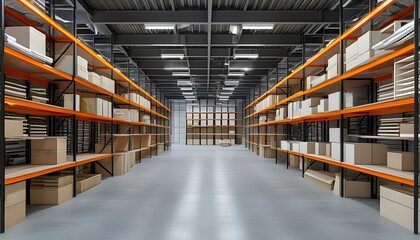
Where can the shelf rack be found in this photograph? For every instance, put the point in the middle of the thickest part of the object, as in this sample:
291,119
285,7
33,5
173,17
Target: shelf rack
84,131
376,70
208,123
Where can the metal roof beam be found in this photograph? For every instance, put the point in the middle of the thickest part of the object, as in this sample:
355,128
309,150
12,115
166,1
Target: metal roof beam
220,40
219,17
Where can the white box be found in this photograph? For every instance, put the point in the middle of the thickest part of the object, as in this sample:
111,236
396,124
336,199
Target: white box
334,60
335,151
334,134
295,146
29,37
91,105
358,153
323,106
94,78
285,145
334,101
311,102
122,113
68,102
367,40
107,84
351,51
309,111
320,148
65,64
397,205
333,71
307,147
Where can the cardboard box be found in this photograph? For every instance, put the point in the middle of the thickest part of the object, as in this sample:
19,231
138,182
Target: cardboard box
29,37
367,40
406,129
333,71
352,189
334,60
311,102
68,101
119,169
379,154
328,149
323,106
49,144
285,145
351,51
13,128
334,134
295,146
15,214
320,148
92,106
94,78
107,84
65,64
48,157
335,151
358,153
307,147
15,193
294,161
61,192
318,80
397,204
334,101
122,113
403,161
323,179
87,181
309,111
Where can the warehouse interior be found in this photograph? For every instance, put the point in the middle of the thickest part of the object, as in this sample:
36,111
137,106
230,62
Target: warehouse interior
209,119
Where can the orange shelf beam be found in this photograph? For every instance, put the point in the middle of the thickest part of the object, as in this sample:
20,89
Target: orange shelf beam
366,19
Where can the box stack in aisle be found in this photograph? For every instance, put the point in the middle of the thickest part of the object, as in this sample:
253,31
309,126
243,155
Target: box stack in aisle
15,203
51,189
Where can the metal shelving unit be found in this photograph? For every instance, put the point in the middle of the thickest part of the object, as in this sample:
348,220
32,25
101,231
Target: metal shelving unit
84,130
315,127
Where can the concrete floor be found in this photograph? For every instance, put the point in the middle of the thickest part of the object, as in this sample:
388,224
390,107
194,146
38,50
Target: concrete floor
208,193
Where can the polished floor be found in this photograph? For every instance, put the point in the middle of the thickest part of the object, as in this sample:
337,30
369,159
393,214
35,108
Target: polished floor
208,193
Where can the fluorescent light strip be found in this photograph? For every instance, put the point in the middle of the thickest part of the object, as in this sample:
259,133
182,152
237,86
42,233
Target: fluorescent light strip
172,55
177,69
228,88
257,26
245,55
231,83
184,83
181,74
187,93
186,88
159,26
226,93
189,97
240,74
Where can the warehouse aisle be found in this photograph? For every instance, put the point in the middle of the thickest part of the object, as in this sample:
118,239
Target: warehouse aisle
208,193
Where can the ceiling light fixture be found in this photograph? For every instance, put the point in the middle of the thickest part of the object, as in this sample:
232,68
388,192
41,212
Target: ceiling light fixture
231,83
172,55
228,88
177,69
187,93
233,29
189,97
184,83
226,93
186,88
240,74
245,55
181,74
159,26
258,26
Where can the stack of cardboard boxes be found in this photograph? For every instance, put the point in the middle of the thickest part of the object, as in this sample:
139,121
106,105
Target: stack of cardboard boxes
51,189
90,103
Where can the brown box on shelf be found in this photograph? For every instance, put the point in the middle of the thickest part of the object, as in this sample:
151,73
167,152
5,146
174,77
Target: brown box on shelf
120,162
307,147
51,189
87,181
328,149
358,153
396,204
13,128
406,130
294,161
15,203
321,148
48,157
49,151
403,161
352,189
